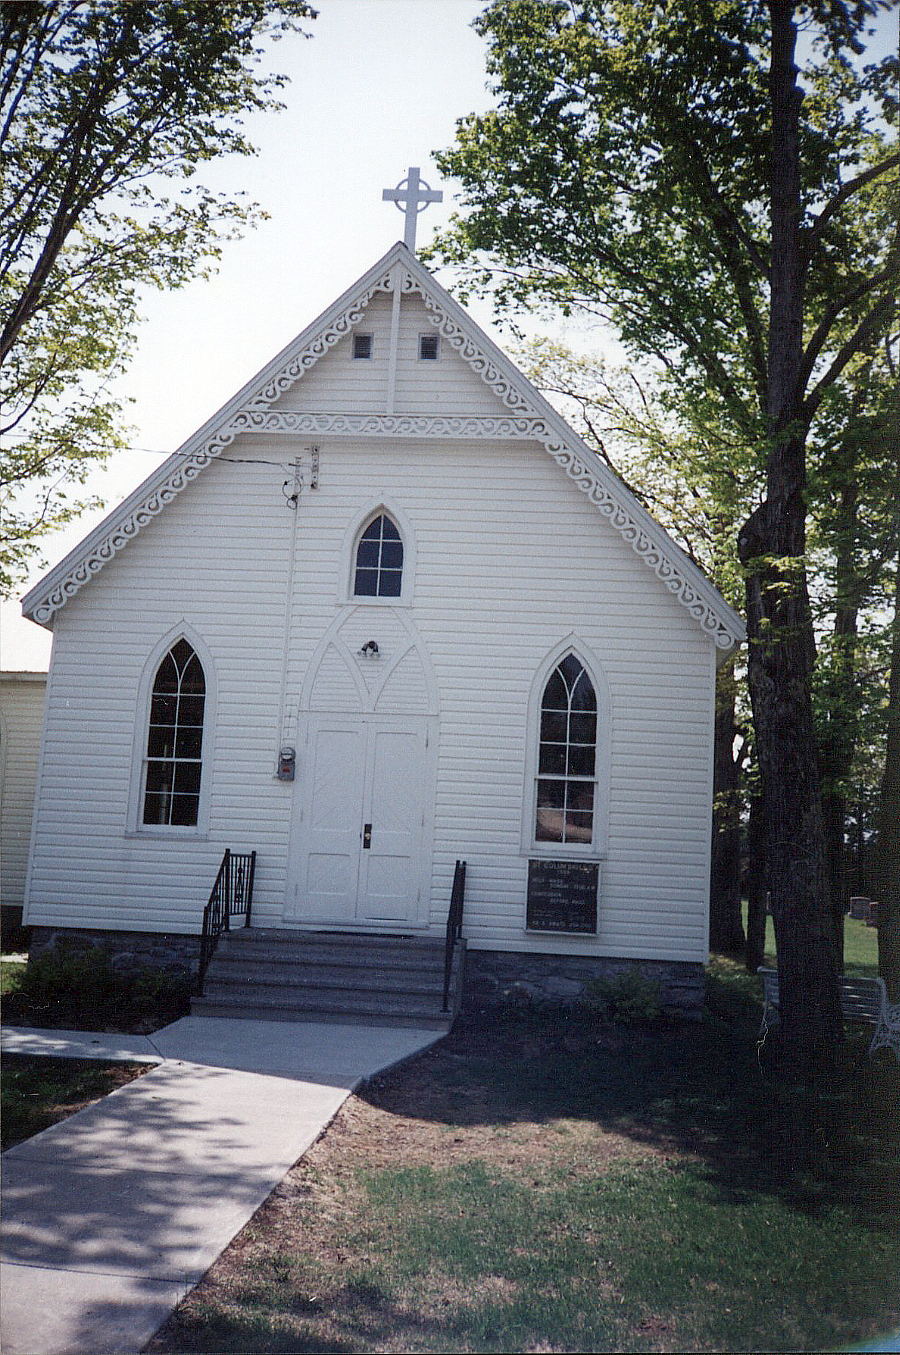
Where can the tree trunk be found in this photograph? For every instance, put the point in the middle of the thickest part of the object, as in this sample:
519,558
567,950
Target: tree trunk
888,846
779,675
771,545
726,932
756,885
838,742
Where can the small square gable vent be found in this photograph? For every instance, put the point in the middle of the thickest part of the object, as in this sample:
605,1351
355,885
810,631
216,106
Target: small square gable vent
362,345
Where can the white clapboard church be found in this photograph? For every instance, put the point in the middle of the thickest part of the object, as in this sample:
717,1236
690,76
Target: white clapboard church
383,614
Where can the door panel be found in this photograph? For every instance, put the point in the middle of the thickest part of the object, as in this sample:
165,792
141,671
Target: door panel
330,864
387,890
388,887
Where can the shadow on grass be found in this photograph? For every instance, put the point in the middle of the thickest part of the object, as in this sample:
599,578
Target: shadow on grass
709,1089
359,1316
38,1092
475,1203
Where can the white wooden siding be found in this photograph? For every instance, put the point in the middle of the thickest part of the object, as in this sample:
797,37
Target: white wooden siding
511,558
21,718
333,687
405,690
339,383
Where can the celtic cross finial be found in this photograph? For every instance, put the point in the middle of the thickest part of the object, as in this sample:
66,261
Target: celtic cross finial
411,196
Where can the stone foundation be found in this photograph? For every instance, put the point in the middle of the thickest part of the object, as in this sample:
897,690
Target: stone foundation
128,951
494,978
497,978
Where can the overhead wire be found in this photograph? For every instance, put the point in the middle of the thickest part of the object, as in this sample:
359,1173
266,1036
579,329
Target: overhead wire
234,460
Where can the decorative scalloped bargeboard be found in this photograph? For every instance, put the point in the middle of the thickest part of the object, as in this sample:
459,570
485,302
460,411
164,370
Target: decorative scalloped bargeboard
524,423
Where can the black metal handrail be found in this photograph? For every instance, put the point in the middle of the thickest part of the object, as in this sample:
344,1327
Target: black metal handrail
454,924
232,895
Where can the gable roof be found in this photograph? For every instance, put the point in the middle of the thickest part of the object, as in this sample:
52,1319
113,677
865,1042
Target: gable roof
530,417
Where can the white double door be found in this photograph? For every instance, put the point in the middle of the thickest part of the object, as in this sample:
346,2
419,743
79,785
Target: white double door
363,807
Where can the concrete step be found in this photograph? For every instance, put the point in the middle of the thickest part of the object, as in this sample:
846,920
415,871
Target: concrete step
288,975
349,941
397,1004
331,957
332,1016
336,975
291,986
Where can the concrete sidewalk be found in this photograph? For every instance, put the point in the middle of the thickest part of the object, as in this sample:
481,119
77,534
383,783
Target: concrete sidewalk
111,1216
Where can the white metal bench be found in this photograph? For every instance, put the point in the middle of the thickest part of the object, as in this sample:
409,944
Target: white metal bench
862,1000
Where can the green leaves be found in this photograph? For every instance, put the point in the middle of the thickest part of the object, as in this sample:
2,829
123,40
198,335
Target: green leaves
625,171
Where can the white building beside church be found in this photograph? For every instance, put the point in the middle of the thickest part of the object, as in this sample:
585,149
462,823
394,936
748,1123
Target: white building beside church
388,570
21,717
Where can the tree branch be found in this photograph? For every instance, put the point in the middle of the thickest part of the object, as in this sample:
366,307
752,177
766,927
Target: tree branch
820,334
813,233
863,332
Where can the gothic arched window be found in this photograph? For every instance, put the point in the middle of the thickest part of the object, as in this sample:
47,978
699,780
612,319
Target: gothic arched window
173,763
567,756
379,560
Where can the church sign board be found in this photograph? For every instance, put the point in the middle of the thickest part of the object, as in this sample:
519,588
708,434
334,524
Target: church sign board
562,896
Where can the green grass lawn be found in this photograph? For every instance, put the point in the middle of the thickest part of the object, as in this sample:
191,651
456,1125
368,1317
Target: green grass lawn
860,946
551,1185
36,1092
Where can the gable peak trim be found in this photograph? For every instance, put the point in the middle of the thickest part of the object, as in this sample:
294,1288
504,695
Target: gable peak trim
337,328
249,411
505,384
177,472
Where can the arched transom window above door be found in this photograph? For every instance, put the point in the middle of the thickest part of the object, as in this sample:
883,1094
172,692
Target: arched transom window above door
378,561
566,779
